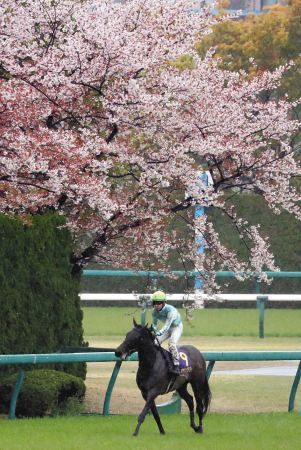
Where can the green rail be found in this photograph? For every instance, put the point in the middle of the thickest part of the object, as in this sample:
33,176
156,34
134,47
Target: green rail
180,273
211,357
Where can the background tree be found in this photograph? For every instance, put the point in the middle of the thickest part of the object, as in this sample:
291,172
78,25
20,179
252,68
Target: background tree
261,42
262,38
99,123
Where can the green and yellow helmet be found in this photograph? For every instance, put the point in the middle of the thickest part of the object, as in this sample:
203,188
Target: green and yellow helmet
158,297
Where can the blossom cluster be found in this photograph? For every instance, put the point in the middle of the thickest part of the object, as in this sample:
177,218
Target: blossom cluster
99,122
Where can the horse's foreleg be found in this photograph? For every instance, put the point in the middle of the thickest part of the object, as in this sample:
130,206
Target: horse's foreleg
157,418
142,415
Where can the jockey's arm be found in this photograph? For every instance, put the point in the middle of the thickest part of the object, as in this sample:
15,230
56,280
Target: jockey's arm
170,318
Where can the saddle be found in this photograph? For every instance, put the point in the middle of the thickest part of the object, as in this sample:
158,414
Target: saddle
170,364
167,356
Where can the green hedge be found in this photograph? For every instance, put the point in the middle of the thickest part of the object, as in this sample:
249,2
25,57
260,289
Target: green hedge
40,308
44,392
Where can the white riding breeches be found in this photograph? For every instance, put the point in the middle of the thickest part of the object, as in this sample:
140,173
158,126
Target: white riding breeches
173,335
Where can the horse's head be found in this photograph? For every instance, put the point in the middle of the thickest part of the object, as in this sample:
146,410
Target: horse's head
133,340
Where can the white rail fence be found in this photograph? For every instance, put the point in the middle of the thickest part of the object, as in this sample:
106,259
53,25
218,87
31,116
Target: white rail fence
200,299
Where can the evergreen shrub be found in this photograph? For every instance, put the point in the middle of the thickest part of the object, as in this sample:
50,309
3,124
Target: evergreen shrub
40,306
44,392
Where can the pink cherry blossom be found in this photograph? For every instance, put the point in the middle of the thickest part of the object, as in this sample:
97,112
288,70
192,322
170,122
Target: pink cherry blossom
98,123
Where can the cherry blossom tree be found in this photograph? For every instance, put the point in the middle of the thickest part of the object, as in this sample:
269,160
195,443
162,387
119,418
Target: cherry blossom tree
98,122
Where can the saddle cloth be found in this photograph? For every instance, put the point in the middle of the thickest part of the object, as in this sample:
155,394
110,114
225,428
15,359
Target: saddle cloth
184,360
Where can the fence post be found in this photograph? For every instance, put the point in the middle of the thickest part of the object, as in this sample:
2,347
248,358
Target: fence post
106,404
15,394
291,402
257,286
144,301
260,303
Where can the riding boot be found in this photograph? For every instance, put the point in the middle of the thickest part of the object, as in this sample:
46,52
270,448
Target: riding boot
173,365
172,368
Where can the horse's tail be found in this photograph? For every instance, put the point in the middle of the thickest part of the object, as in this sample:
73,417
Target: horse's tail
206,397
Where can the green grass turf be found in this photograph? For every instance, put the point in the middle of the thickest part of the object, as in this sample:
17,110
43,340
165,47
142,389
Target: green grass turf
114,321
227,432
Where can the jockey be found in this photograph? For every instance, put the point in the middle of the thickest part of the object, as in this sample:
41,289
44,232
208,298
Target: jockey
172,328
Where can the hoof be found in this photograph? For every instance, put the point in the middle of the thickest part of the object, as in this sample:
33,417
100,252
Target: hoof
198,430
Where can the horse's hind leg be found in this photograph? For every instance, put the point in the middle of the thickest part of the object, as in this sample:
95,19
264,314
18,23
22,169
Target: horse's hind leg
157,418
184,394
198,395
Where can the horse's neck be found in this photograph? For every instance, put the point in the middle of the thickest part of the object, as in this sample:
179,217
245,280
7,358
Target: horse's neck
147,354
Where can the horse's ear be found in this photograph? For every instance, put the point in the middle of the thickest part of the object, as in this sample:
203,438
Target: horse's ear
135,323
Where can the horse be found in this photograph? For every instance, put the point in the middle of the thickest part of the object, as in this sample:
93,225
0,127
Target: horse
153,377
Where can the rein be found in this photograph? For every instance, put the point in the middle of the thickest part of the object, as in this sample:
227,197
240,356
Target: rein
156,339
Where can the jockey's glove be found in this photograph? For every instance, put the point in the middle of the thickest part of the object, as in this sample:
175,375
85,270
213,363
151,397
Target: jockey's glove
159,333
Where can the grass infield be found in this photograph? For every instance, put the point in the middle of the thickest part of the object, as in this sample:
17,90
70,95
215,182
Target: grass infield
227,432
114,321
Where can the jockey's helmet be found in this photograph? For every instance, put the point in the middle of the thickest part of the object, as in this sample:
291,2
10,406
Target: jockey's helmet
158,297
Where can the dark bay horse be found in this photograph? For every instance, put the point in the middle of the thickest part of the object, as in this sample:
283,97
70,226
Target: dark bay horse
153,377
